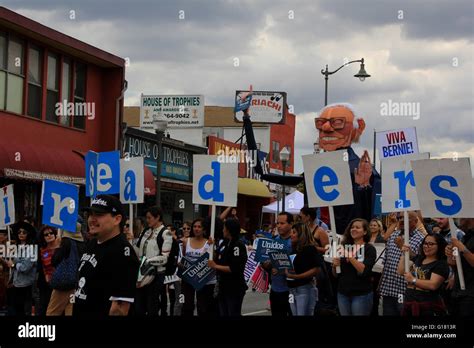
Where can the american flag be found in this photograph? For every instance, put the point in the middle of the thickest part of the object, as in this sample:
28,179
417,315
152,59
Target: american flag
250,266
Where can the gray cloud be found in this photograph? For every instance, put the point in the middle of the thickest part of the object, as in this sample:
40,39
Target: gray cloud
410,59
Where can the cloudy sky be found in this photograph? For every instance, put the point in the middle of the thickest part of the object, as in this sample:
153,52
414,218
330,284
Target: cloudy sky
416,51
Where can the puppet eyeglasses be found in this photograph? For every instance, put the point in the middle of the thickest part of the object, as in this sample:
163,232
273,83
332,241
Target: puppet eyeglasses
336,122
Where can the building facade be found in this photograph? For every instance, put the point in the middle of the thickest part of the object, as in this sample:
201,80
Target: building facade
59,98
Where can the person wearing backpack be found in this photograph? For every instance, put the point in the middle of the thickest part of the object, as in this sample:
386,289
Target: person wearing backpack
66,262
156,254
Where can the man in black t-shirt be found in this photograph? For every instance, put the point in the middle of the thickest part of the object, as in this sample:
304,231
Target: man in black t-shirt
108,268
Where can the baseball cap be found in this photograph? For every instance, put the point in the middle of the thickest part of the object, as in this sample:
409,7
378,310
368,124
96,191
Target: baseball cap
106,204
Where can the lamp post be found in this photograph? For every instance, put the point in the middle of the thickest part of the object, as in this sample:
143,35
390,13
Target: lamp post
284,157
160,127
362,75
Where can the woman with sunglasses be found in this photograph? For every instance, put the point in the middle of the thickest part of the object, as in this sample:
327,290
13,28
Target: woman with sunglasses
48,245
186,230
24,270
428,271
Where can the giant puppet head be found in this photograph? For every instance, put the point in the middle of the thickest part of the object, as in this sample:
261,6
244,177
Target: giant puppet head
337,127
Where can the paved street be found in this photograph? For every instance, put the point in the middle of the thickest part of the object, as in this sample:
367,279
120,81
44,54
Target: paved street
256,303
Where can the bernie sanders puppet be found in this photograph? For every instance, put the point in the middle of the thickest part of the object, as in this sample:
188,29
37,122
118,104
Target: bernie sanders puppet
338,129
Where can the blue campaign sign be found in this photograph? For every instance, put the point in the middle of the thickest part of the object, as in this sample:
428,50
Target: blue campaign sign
280,260
265,246
199,273
91,173
108,172
61,204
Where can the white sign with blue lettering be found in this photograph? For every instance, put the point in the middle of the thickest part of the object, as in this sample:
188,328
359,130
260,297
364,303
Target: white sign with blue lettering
102,173
328,179
397,142
61,204
214,182
131,180
444,187
398,183
7,206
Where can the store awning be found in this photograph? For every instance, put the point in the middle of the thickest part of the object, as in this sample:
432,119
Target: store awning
36,162
252,187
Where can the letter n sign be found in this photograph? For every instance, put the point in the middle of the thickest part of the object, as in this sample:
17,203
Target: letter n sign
328,179
60,204
214,182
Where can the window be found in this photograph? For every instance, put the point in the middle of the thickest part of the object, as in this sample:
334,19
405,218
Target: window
11,74
49,80
66,90
52,92
80,94
275,151
35,78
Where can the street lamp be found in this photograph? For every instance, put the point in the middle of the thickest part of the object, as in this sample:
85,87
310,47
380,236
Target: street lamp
160,128
284,157
362,75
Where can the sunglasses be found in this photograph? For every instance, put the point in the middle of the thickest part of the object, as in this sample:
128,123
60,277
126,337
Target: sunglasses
336,122
22,232
429,244
127,225
48,234
186,228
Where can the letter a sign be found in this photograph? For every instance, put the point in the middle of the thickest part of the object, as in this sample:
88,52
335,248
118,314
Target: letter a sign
131,180
214,182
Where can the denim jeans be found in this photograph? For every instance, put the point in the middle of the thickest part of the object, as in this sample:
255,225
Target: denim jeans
355,305
303,299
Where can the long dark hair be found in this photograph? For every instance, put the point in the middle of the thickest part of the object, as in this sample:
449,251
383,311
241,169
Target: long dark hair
201,220
305,237
233,226
440,241
155,211
347,238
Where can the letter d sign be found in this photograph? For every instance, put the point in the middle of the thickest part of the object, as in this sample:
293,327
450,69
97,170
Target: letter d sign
214,183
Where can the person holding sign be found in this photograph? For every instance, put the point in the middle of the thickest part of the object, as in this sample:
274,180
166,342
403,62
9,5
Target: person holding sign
354,293
428,271
463,300
279,293
230,271
393,285
23,269
307,264
109,266
193,248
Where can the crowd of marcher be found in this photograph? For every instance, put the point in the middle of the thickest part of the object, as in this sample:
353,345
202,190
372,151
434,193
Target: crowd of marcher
108,267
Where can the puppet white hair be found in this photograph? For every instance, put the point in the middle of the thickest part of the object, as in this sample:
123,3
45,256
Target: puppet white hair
346,105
